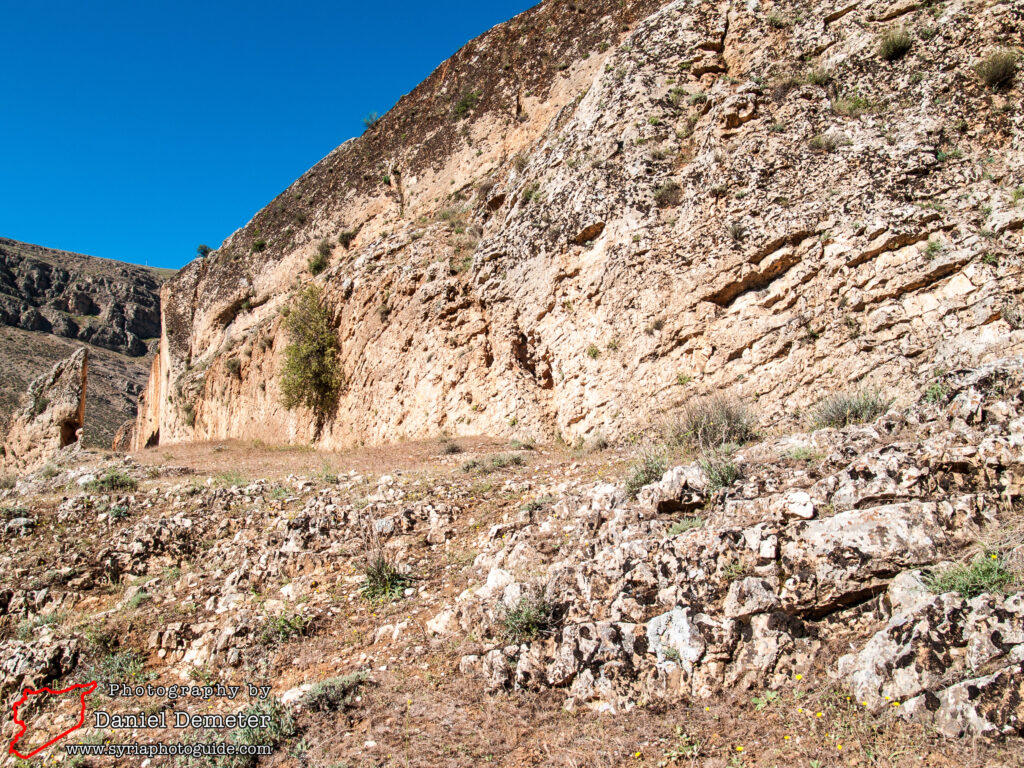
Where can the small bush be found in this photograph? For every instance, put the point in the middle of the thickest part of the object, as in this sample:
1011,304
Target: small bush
138,599
850,408
371,120
825,142
852,105
527,620
520,161
593,352
466,103
450,447
112,480
668,194
736,231
259,245
984,574
503,460
7,482
202,251
319,261
720,470
281,629
1013,313
713,423
646,470
819,77
334,693
895,44
311,375
532,193
684,525
234,367
345,238
317,264
281,726
998,69
383,582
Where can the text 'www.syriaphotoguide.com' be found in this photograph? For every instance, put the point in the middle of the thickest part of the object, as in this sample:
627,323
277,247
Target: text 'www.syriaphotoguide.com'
162,750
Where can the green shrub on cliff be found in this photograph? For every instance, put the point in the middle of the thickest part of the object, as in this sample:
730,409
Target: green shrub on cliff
311,375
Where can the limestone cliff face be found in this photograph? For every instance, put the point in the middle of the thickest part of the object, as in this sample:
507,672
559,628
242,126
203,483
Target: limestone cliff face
52,417
591,214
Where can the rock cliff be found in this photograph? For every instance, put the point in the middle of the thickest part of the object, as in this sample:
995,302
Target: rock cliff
53,301
590,215
53,417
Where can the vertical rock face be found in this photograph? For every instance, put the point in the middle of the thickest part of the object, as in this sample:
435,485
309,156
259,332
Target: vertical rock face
53,415
590,215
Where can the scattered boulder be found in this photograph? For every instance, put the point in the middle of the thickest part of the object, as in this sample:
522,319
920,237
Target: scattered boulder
53,416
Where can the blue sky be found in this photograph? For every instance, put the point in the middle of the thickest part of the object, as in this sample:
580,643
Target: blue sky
137,130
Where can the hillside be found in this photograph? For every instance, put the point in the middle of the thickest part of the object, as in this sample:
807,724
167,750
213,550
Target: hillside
51,302
852,598
645,389
590,215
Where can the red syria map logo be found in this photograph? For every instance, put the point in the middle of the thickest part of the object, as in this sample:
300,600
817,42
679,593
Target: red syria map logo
84,690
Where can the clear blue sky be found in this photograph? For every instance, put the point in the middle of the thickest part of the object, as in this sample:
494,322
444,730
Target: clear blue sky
137,130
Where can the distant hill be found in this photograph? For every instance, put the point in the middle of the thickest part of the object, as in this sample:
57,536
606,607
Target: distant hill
53,301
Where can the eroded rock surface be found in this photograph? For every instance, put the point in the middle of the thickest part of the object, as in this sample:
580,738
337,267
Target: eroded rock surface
725,195
53,416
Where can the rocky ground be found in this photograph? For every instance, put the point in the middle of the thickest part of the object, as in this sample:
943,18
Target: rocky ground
841,596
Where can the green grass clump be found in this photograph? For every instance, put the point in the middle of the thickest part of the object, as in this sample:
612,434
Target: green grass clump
112,480
230,478
684,525
281,629
311,376
26,627
119,667
986,573
501,461
138,599
528,619
936,393
383,582
646,470
848,408
895,44
334,693
998,69
805,453
721,471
